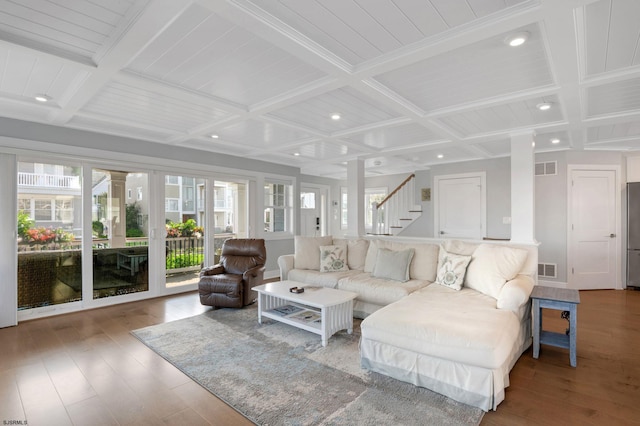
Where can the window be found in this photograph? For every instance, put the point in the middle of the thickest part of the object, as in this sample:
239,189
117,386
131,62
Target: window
64,211
139,193
344,213
277,210
42,210
129,194
307,200
372,195
171,205
171,180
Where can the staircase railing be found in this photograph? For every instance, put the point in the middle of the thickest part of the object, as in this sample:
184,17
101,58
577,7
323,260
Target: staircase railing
390,212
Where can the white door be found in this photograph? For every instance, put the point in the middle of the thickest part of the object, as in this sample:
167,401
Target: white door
460,206
310,212
593,229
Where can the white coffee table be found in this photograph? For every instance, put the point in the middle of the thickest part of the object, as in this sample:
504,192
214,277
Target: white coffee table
320,310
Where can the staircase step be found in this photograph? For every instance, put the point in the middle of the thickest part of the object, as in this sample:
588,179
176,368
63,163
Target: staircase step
402,218
396,227
415,211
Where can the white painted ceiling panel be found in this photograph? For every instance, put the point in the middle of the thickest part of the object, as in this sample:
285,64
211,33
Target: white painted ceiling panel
452,78
24,74
520,114
613,132
258,134
395,137
355,108
125,102
357,31
616,97
79,26
497,148
206,53
612,35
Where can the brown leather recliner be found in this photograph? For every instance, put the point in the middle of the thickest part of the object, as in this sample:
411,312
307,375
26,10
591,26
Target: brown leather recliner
228,284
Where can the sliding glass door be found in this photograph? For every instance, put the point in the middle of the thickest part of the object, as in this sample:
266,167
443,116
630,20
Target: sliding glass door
230,213
185,225
120,224
49,232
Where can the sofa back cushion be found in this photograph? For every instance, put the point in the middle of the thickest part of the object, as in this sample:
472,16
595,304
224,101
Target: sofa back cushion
307,251
357,253
425,259
372,253
492,266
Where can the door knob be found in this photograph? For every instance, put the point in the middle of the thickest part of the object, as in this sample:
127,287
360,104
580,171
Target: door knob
612,235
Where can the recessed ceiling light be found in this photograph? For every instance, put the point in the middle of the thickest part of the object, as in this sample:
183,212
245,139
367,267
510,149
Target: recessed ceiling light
543,106
517,39
555,140
42,98
335,116
215,136
296,154
440,156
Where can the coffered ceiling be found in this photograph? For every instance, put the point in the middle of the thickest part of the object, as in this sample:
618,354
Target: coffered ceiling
415,82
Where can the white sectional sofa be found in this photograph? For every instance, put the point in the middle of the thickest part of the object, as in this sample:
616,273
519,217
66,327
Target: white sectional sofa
418,327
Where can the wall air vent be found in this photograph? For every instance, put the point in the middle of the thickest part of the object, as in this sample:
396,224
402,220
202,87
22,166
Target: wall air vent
549,168
547,270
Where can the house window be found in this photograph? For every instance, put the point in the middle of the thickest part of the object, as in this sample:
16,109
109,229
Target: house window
139,193
129,194
64,211
372,195
42,209
171,180
278,207
171,205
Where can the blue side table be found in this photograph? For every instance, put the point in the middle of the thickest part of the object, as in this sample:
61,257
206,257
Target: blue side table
561,299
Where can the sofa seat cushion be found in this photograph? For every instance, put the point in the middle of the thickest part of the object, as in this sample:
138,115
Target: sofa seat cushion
380,291
317,278
462,326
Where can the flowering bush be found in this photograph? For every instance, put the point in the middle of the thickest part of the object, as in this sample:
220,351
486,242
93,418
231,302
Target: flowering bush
43,235
184,229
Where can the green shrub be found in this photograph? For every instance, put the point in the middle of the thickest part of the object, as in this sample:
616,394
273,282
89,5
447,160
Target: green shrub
134,232
184,260
24,224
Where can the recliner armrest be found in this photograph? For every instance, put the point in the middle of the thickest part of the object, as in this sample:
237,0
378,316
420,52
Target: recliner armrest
253,272
212,270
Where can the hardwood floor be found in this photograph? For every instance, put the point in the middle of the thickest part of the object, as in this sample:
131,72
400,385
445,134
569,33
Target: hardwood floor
86,369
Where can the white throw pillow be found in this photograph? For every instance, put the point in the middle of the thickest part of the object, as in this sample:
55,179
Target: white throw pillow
451,269
333,259
307,251
393,265
492,266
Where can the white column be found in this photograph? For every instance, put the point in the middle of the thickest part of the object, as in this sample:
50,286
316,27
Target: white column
355,198
523,188
117,209
8,247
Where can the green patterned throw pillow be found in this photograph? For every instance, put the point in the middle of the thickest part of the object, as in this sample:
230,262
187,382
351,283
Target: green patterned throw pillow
333,259
451,269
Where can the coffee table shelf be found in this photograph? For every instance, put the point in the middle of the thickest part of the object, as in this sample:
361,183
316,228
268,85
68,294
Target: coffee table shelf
335,307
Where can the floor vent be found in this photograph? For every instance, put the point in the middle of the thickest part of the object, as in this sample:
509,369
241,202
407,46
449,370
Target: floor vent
549,168
547,270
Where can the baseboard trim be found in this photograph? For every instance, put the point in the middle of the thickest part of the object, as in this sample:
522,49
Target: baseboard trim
556,284
272,274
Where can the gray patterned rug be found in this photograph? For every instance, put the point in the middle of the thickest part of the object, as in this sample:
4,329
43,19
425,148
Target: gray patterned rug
275,374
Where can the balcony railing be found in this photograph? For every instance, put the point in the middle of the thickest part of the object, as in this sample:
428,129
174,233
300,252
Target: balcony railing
43,180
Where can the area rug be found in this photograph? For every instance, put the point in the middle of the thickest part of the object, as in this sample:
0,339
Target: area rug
275,374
